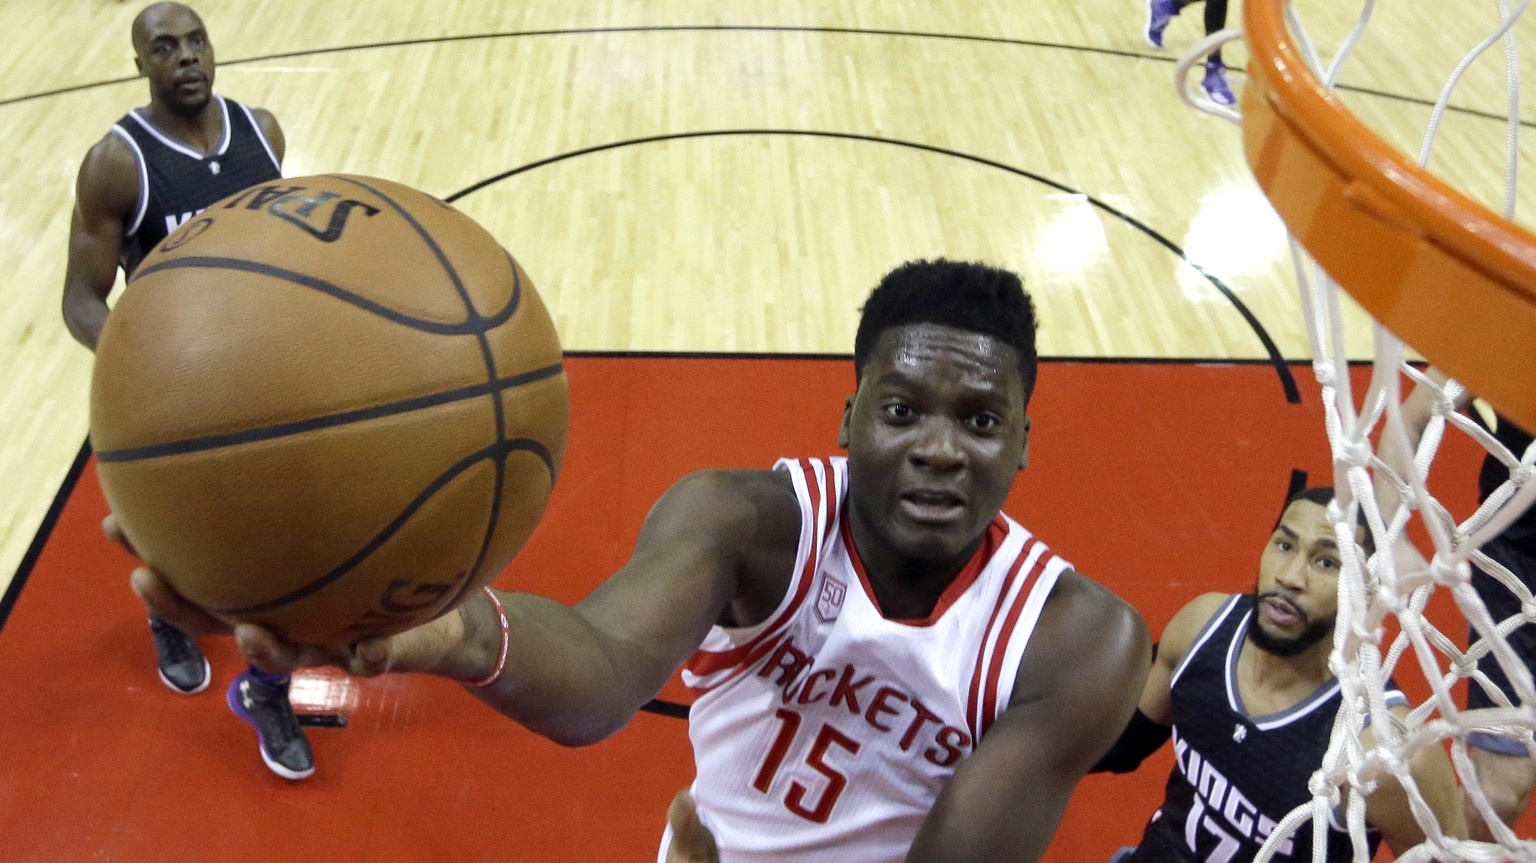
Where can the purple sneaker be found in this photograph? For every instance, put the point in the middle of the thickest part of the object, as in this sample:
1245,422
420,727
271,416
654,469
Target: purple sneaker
1159,13
263,702
1215,83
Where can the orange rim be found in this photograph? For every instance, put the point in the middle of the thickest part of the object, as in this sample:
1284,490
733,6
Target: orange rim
1445,274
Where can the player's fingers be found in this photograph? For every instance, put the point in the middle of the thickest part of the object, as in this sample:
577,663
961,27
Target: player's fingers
266,651
691,840
273,654
371,658
170,606
114,532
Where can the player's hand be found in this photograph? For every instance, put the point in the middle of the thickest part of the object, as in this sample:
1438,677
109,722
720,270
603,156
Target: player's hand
428,647
431,648
691,840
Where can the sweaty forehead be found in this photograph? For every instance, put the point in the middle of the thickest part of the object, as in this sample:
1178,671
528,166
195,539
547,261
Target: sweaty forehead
928,348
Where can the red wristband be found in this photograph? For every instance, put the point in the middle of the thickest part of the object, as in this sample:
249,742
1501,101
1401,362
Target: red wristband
501,656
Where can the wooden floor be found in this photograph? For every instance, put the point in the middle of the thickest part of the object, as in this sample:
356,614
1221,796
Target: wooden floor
698,177
680,175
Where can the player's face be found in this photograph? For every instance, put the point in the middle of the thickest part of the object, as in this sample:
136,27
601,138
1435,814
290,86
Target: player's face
1298,582
935,435
177,58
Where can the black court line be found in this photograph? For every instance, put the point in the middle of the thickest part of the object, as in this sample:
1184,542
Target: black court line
743,28
1282,369
44,531
662,707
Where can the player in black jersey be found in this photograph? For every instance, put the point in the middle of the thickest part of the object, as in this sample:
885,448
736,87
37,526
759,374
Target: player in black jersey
1241,683
1505,770
158,166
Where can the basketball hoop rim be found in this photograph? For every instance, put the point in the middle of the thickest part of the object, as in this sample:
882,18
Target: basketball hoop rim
1333,181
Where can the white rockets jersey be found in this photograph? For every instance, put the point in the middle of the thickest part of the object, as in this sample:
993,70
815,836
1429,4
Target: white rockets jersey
828,731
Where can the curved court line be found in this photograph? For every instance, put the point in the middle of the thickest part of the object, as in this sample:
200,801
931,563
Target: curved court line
742,28
1282,369
496,452
281,430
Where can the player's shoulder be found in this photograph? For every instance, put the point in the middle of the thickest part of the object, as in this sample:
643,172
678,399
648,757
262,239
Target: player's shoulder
1185,626
110,152
266,121
109,174
1084,612
1088,640
748,499
1085,605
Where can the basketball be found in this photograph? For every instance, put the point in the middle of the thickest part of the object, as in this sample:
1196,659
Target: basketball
331,405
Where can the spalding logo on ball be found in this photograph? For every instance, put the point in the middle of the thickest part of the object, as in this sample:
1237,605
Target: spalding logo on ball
331,405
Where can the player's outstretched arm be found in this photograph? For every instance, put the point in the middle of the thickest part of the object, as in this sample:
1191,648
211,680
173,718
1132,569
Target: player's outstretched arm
577,674
1079,681
1388,809
106,193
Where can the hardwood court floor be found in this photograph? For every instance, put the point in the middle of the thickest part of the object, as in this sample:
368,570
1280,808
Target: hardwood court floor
718,177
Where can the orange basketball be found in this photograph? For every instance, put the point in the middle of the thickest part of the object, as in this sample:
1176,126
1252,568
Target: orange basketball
331,405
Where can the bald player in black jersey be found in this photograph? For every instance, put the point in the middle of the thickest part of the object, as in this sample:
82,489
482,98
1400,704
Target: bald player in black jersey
1241,683
157,167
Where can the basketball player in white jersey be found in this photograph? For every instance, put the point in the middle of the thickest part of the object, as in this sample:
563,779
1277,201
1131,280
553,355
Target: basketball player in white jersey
1241,682
157,167
887,667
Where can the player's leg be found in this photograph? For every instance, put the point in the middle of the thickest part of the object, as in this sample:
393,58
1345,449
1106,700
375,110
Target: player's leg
1505,770
1159,13
182,664
1215,83
262,700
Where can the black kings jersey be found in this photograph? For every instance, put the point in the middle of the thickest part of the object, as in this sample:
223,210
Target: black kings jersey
1236,776
176,182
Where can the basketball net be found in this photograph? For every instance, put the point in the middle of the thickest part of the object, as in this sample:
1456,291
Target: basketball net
1382,630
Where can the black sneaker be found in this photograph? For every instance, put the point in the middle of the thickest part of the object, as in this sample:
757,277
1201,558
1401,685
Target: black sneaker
265,706
182,666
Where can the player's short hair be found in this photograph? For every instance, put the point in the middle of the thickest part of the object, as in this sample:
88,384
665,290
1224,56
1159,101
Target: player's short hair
963,295
1322,496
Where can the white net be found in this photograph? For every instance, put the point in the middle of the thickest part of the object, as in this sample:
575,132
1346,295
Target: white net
1386,427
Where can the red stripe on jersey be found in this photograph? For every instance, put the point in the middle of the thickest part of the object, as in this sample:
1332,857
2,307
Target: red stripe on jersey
705,662
996,532
973,703
989,703
713,662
